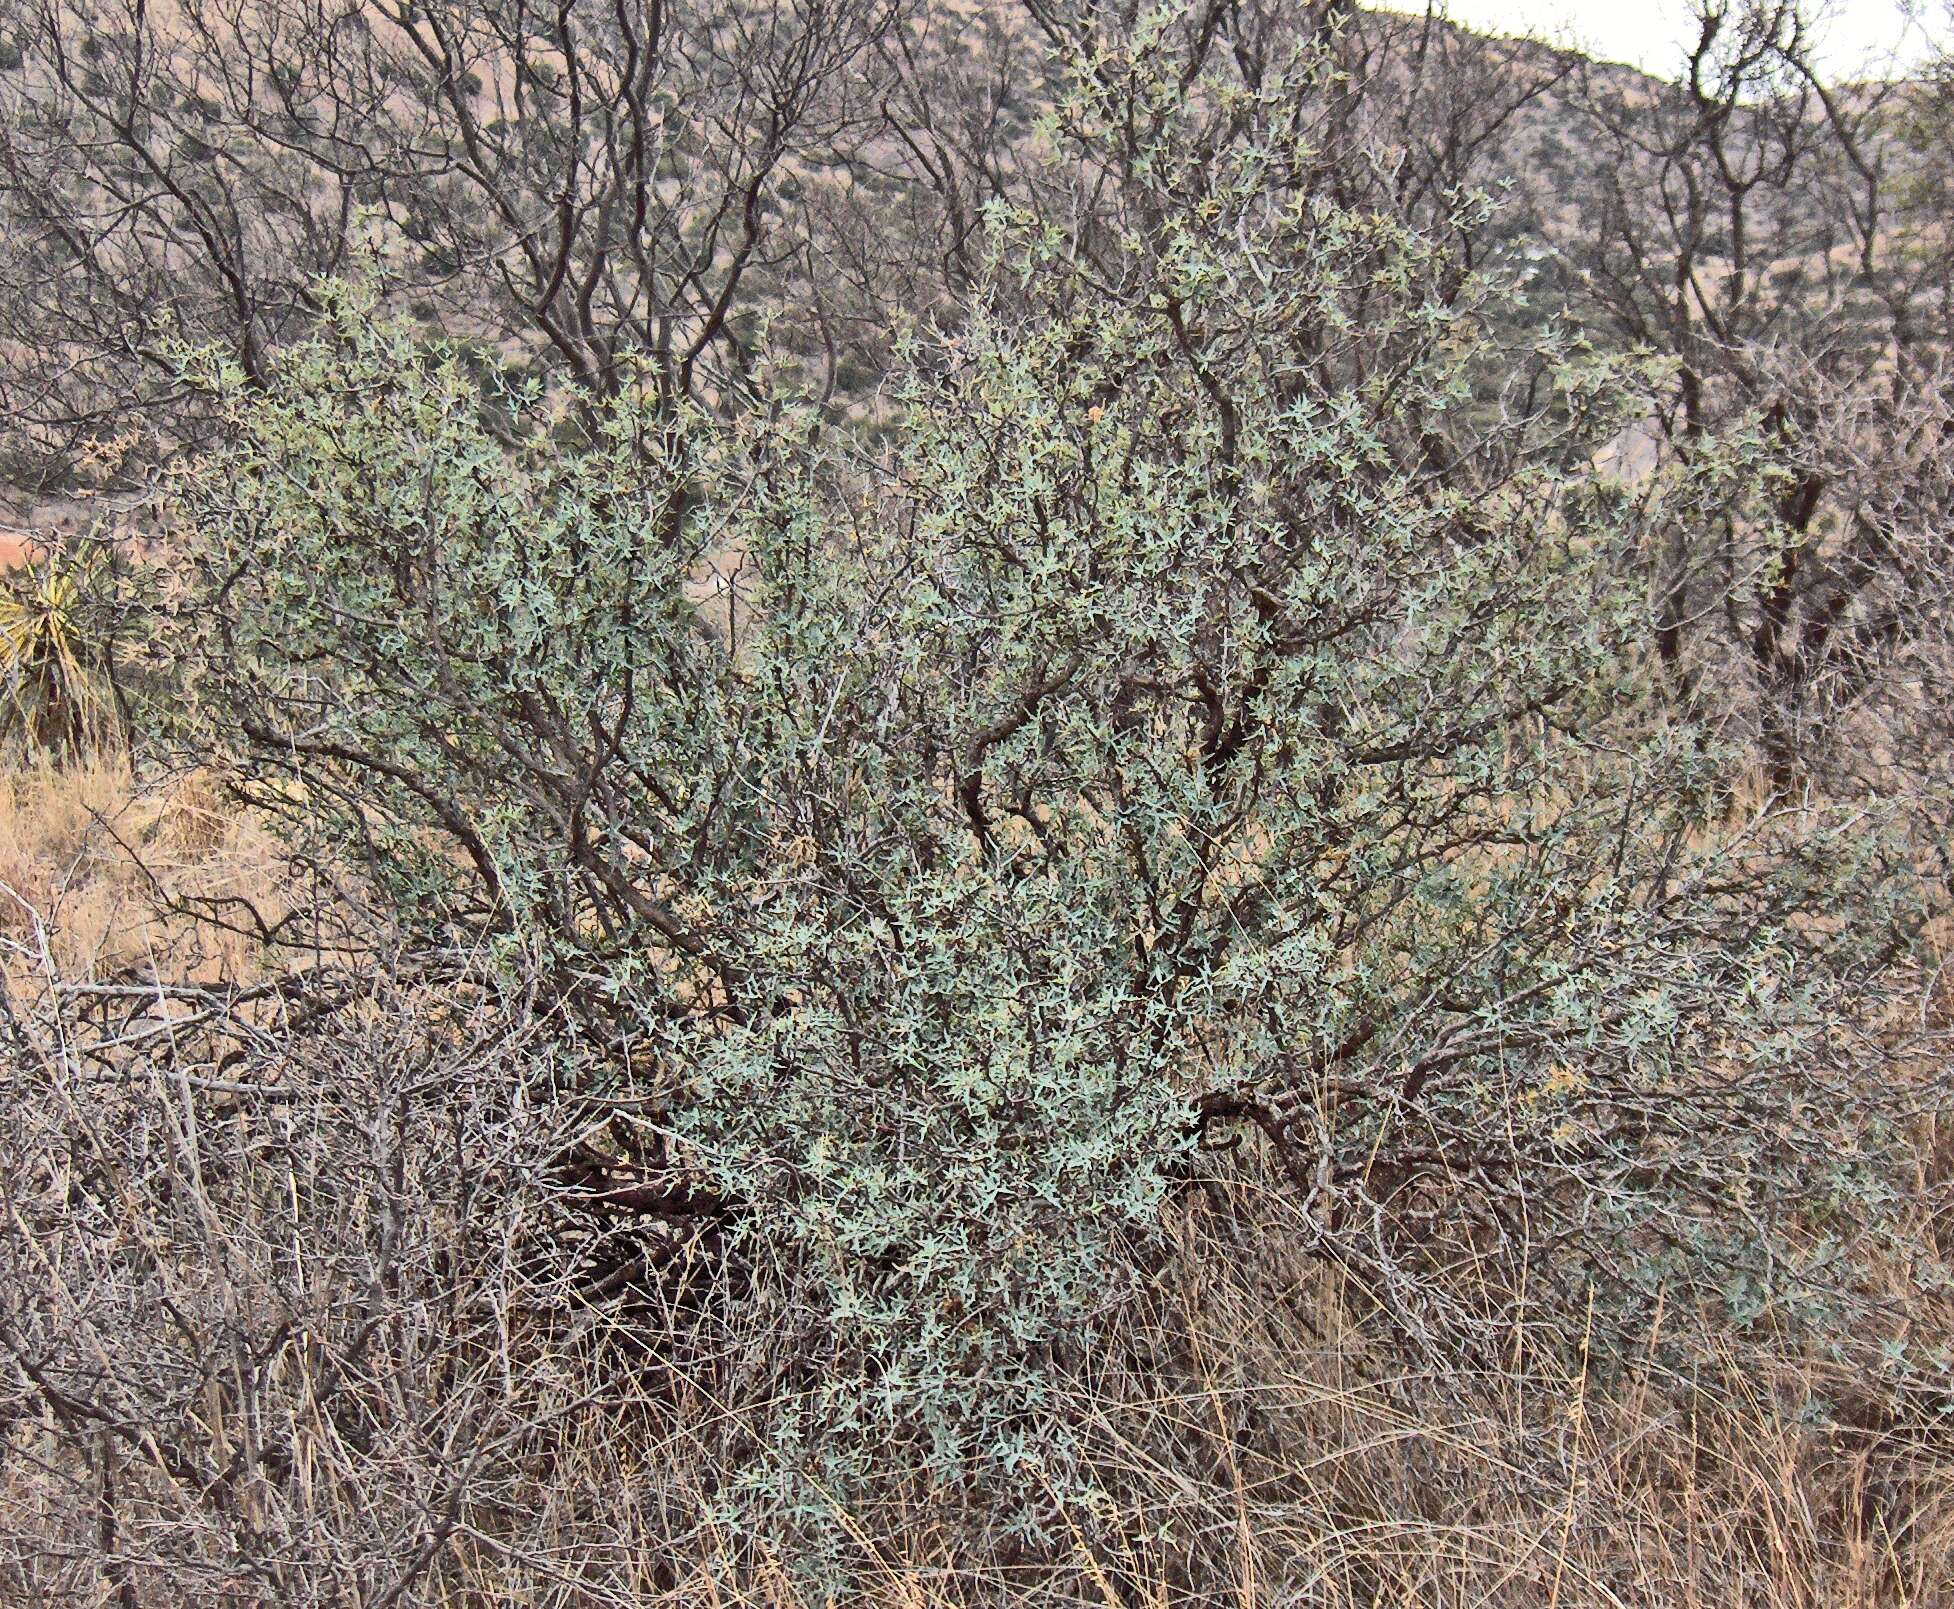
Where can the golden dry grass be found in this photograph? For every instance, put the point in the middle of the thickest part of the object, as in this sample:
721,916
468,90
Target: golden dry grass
89,856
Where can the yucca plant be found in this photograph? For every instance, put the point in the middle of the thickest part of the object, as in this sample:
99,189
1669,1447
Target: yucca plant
55,654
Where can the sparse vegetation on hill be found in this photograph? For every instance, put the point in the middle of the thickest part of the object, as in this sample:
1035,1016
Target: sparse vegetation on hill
860,820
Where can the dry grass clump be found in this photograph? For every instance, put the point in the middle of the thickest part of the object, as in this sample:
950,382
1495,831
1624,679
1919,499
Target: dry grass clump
91,857
1708,1470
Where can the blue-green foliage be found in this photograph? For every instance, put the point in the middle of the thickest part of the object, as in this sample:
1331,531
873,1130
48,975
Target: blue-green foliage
1207,715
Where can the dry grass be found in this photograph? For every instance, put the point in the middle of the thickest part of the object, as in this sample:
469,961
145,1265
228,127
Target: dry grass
89,855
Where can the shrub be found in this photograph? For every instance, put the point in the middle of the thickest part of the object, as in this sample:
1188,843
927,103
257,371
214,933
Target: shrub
1210,721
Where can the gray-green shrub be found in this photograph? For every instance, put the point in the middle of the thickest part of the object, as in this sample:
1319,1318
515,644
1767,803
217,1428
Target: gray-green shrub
1208,721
